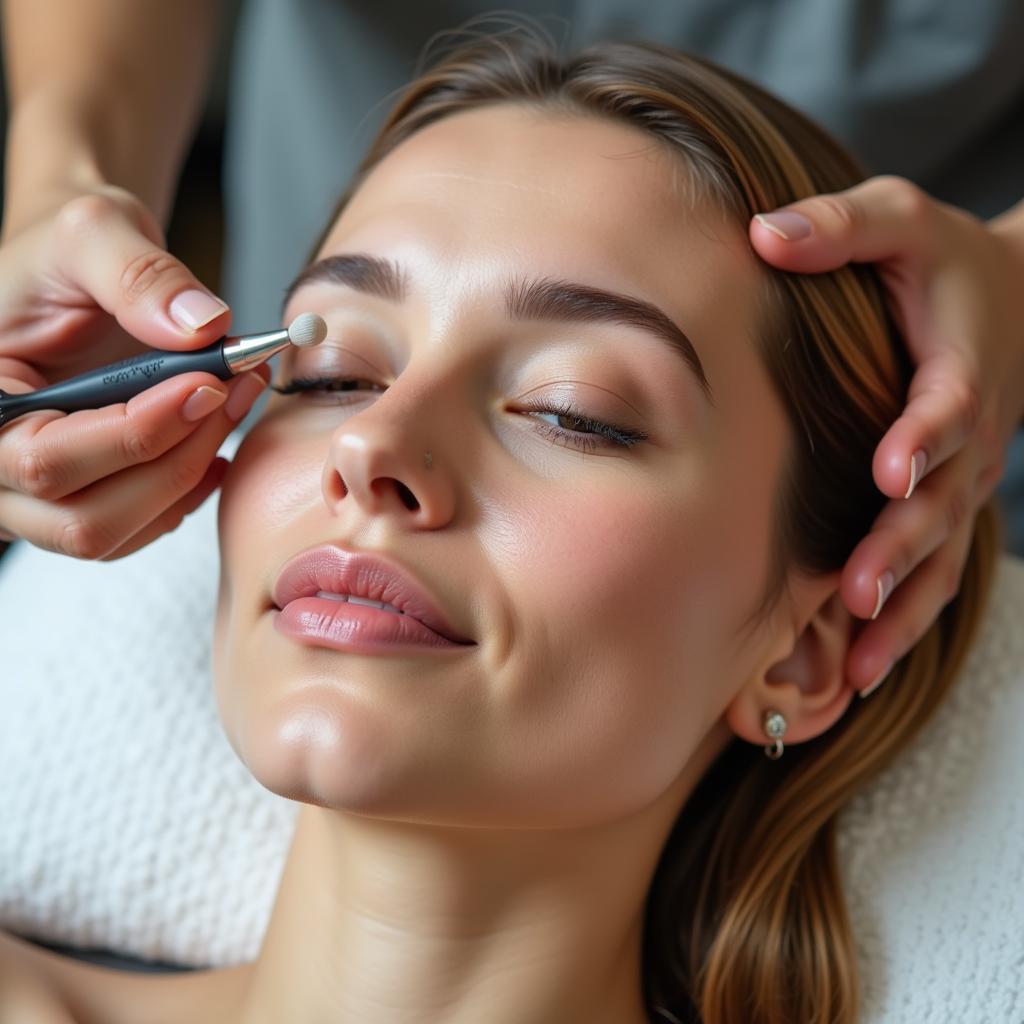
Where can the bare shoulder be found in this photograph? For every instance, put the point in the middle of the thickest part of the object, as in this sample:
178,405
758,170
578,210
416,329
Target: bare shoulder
38,986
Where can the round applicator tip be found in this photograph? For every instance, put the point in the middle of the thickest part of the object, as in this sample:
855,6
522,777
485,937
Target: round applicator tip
307,329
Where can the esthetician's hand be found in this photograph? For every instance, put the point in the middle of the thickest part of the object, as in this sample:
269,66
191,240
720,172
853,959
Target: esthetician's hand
83,285
956,287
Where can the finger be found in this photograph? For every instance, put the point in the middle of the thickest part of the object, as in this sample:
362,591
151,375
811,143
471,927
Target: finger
941,415
49,454
173,517
20,376
97,520
878,219
911,611
905,533
101,250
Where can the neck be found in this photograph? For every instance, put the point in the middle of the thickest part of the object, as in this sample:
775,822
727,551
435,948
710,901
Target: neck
380,922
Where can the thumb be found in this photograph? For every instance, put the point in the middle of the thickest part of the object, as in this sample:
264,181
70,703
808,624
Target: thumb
116,258
883,218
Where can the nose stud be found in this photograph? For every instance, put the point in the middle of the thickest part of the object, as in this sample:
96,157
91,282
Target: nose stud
428,459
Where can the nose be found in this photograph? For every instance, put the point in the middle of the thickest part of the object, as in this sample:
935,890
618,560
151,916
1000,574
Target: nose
388,461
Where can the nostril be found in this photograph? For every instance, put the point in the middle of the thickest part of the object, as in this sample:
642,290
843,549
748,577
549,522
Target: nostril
408,498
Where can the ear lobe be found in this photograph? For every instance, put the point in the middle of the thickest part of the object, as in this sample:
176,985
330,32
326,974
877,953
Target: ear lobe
808,683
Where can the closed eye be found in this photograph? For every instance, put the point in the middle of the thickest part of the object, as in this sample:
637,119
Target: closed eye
583,433
297,384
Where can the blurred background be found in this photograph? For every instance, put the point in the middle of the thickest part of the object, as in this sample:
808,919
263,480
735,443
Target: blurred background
195,233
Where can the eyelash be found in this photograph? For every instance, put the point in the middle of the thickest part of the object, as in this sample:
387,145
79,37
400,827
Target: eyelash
585,440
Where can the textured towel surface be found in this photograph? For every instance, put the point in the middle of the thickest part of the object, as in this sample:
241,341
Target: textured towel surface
130,824
932,853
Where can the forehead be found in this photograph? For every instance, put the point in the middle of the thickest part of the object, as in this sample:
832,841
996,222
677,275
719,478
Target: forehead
513,187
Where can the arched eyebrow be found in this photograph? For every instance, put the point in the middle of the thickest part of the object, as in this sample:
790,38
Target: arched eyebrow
530,299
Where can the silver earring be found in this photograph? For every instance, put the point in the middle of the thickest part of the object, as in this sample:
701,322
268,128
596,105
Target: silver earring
774,724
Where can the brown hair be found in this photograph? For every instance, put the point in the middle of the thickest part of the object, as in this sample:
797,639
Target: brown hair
745,918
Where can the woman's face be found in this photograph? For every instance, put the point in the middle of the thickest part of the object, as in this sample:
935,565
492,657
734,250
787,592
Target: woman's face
605,585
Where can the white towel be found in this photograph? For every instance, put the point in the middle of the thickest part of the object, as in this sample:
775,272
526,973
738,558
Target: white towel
932,852
130,824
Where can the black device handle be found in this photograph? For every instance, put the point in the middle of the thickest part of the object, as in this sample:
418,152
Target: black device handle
116,382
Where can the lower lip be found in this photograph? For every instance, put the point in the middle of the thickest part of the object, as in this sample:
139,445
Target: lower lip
357,628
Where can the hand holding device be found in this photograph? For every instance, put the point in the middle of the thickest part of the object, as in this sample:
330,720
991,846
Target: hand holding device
80,286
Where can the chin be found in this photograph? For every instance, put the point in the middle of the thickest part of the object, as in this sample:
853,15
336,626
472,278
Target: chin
311,747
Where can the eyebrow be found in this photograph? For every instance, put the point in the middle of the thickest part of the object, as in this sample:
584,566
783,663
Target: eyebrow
533,299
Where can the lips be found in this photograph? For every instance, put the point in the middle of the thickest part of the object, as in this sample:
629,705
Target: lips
337,571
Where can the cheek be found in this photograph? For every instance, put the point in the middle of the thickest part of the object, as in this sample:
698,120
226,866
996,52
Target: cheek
265,488
269,482
620,638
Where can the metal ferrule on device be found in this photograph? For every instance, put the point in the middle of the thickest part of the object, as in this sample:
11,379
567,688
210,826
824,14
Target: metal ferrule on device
249,350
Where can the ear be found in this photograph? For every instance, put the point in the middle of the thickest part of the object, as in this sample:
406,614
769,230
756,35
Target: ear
802,673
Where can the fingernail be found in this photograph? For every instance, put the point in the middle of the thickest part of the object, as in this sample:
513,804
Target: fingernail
917,466
193,309
202,402
787,225
243,394
882,676
885,583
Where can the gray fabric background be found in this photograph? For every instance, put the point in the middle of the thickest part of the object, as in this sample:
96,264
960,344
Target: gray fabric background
929,89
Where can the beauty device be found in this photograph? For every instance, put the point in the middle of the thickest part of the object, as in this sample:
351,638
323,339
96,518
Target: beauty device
120,381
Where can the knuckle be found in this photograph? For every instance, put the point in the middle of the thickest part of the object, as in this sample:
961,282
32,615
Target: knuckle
146,270
81,538
139,444
82,214
846,213
909,200
968,400
184,476
34,475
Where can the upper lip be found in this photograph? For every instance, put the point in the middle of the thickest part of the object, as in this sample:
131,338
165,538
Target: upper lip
338,571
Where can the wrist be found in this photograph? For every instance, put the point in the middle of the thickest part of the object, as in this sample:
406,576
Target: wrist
59,146
50,158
